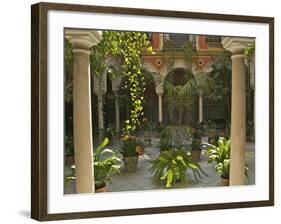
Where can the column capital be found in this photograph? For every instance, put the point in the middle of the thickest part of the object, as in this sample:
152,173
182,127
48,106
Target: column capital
236,45
116,83
159,90
83,39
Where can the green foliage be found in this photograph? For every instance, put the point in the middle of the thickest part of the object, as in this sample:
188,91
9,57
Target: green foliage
196,143
69,147
207,127
165,144
250,49
158,127
146,124
108,132
128,146
105,165
127,46
175,137
220,154
250,100
221,74
68,67
171,167
106,162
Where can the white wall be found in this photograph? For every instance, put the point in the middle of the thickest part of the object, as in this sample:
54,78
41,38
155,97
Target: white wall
15,111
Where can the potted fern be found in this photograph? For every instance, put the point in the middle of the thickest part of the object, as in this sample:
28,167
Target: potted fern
171,167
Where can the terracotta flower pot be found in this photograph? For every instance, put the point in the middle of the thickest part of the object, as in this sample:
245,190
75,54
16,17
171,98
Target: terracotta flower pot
224,182
196,155
139,150
131,163
100,189
212,141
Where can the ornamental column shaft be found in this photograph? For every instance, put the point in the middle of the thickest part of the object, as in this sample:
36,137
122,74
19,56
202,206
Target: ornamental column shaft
82,114
238,121
160,107
100,89
117,113
82,122
100,112
160,92
238,108
200,107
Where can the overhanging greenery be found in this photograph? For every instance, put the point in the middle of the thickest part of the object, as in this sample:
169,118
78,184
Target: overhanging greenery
127,46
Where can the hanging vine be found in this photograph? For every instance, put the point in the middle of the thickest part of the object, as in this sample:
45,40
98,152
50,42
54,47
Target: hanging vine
68,67
127,46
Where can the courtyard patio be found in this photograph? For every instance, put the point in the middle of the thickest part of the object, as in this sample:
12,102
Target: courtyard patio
142,179
122,88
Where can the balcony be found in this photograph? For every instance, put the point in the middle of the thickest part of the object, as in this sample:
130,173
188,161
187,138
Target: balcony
176,42
214,41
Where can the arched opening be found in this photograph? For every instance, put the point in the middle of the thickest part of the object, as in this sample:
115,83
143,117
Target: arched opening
108,98
180,107
151,98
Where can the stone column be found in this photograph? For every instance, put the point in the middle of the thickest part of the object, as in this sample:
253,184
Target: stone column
200,107
82,120
100,113
116,82
160,107
238,109
117,113
160,92
238,121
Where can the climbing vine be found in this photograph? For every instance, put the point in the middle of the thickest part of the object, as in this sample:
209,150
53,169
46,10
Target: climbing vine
68,67
250,49
126,46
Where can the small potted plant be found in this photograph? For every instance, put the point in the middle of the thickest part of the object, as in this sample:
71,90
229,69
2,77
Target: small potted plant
106,163
220,155
212,132
104,167
130,149
196,141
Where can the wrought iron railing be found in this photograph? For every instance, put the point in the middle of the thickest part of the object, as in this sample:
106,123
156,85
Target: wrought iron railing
214,41
176,41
